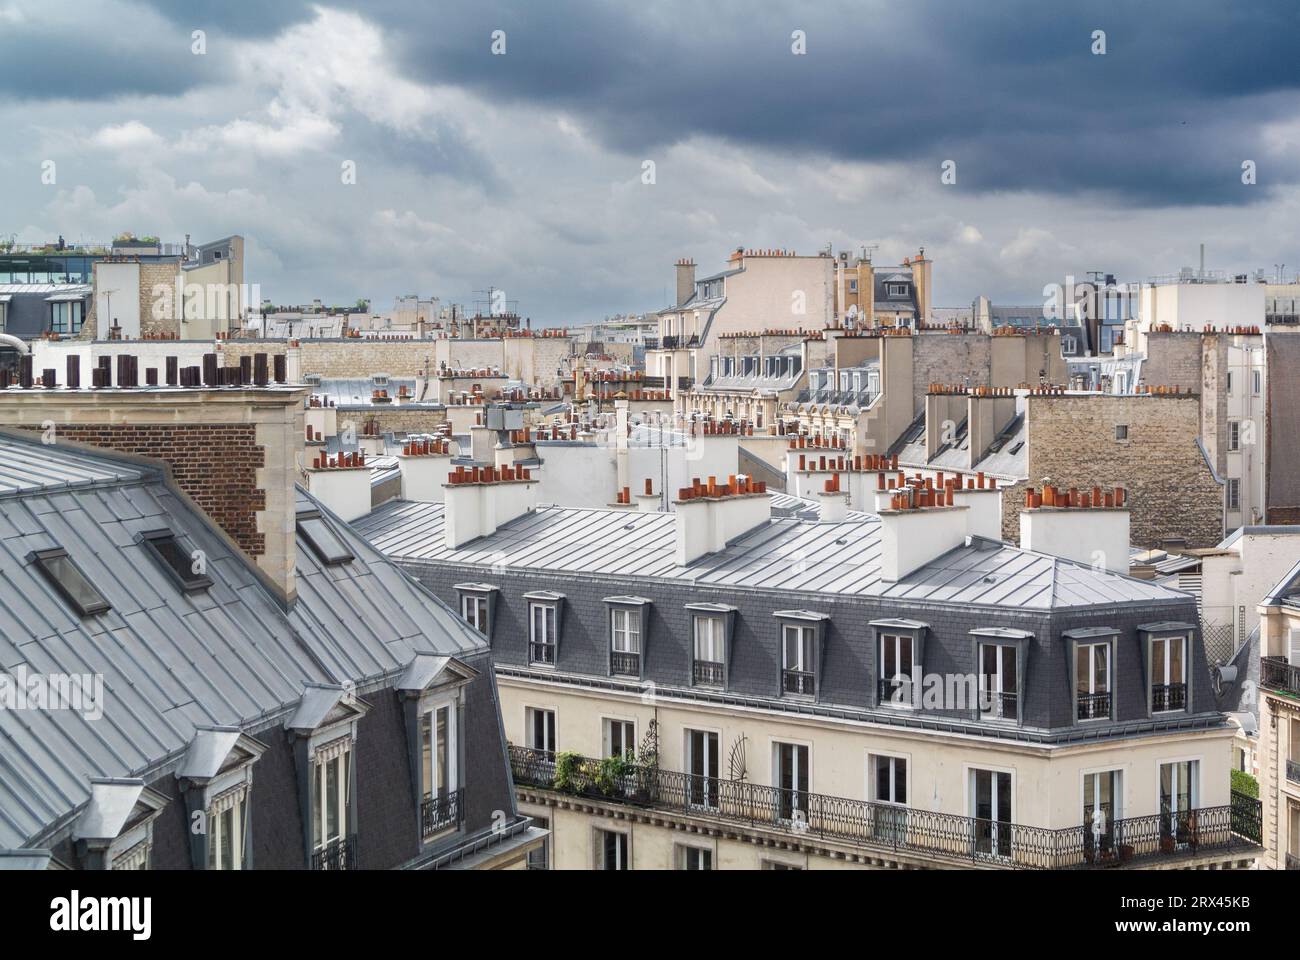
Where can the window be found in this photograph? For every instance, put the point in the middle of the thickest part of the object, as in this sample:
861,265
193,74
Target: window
791,767
1121,431
888,791
332,807
440,803
625,637
702,768
1092,681
1234,434
226,820
474,608
541,730
998,690
66,316
611,851
620,738
66,577
1230,384
1232,493
1168,674
1178,798
1069,345
897,289
797,646
694,858
1256,382
322,539
778,865
709,663
1101,808
539,858
542,638
990,793
895,669
186,569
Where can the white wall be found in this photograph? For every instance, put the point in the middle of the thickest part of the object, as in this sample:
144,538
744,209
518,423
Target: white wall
118,285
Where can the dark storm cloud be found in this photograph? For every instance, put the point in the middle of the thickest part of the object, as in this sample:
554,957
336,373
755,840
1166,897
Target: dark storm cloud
1011,91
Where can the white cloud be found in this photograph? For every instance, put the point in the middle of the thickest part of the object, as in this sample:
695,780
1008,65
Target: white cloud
130,136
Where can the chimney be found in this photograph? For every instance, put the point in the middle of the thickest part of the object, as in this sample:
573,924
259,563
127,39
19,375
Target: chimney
423,464
918,527
834,501
710,515
480,499
685,280
1090,526
341,482
988,411
945,408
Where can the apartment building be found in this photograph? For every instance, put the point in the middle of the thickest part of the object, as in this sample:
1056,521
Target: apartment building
761,290
242,681
717,688
869,296
1279,727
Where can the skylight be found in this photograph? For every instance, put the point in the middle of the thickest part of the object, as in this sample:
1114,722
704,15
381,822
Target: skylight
66,577
324,542
180,564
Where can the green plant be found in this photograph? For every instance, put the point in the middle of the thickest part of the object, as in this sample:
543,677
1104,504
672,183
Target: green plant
568,765
1243,782
612,772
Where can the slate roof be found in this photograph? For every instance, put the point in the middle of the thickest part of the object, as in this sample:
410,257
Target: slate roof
171,662
840,558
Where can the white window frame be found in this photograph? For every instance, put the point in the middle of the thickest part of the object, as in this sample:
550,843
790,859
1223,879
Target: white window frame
806,647
626,732
1092,646
972,794
684,851
1163,669
998,686
776,745
1194,786
714,635
873,780
625,638
1234,436
339,749
478,603
229,791
688,754
543,630
623,853
896,641
429,713
549,728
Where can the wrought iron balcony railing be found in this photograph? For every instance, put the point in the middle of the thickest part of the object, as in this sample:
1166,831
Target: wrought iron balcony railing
339,854
541,653
709,672
1094,706
440,812
1168,696
894,691
1277,674
799,682
626,663
1001,704
895,827
1293,771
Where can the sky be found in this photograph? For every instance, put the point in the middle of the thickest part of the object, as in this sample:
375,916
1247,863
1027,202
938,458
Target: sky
568,152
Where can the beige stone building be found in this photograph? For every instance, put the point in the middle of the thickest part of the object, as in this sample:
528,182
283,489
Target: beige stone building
1279,723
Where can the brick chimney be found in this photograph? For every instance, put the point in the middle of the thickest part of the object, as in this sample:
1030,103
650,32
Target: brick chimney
710,515
234,451
685,280
1090,526
480,499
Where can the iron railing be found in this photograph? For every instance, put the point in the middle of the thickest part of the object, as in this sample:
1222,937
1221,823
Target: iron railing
709,672
1293,771
1277,674
1094,706
541,653
800,682
1168,696
888,690
625,663
1001,704
440,812
339,854
1247,816
891,826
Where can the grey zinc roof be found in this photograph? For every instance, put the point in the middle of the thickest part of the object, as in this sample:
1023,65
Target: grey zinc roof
170,662
840,558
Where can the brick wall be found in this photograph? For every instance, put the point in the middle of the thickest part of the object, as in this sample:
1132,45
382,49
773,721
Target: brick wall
215,464
1172,492
154,275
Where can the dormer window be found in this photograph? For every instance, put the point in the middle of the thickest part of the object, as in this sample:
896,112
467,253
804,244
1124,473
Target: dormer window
66,577
215,776
896,289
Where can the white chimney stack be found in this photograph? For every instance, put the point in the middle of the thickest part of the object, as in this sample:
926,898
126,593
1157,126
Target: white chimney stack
342,483
479,500
919,526
709,515
1090,527
423,465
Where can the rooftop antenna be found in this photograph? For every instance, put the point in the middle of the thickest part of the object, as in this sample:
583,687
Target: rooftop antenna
869,251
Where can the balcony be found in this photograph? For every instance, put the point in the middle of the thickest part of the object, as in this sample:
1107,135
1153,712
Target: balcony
1168,696
709,673
440,812
798,682
339,854
625,663
893,691
886,826
541,653
1277,674
1001,705
1293,771
1094,706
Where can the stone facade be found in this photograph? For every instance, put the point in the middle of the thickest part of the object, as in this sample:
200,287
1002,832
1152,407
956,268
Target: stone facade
1171,490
